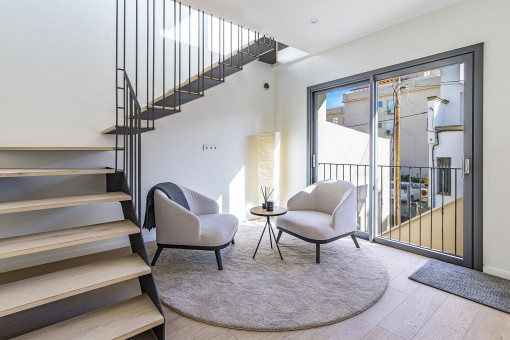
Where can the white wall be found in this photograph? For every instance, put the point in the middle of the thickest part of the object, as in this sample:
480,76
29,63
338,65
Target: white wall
230,116
466,23
57,89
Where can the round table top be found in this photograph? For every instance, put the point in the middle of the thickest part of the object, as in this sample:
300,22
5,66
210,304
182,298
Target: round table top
277,211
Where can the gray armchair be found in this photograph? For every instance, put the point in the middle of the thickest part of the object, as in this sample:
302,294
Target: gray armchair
201,228
321,213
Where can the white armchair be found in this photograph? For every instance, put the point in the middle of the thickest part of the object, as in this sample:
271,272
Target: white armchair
201,228
321,213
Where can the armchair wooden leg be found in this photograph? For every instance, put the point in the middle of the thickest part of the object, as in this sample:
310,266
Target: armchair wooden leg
279,235
317,252
233,242
355,240
156,256
218,259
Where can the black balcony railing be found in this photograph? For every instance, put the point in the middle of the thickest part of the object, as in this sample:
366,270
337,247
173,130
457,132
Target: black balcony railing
429,214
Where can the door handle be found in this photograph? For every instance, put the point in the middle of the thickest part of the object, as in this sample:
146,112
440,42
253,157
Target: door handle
466,164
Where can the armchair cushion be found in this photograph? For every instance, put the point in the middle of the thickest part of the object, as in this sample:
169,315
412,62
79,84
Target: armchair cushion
311,224
217,229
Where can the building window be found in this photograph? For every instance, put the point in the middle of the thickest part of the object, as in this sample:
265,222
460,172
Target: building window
444,175
334,120
379,103
390,106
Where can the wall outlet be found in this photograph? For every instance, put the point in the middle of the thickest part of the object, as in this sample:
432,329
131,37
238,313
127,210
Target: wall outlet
209,147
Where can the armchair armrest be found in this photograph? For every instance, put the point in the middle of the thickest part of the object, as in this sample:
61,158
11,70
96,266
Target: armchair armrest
174,224
343,218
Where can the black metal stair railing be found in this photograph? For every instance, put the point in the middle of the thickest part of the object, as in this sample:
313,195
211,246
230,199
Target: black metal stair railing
130,181
182,52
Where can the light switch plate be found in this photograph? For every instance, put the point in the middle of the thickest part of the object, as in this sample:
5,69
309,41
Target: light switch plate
209,147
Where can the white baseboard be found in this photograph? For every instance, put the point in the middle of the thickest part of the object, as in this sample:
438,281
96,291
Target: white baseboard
31,260
497,272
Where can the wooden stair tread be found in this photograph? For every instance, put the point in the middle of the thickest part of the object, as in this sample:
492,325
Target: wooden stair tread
27,244
39,290
20,172
61,202
119,321
59,148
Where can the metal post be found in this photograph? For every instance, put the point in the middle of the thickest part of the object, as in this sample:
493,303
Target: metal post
420,206
153,56
442,209
164,50
455,198
189,49
409,203
136,48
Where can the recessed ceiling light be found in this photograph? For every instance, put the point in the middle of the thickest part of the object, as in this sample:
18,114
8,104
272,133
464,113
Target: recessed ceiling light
314,21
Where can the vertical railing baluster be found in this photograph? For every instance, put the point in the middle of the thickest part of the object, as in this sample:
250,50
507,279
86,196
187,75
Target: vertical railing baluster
189,49
203,51
211,46
420,178
357,185
330,170
180,56
199,82
242,47
153,58
147,83
409,203
431,192
455,198
164,51
175,57
366,195
136,48
391,201
116,81
443,173
221,68
223,44
381,203
400,205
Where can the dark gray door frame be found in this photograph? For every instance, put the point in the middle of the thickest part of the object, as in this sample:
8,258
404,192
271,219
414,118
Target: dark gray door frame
472,56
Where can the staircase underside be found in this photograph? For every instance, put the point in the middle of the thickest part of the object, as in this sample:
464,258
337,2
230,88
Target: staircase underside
193,88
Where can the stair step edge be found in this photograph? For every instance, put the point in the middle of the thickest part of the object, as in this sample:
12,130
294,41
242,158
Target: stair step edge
33,243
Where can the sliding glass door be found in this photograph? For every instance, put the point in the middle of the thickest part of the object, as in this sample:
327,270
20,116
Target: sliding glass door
409,138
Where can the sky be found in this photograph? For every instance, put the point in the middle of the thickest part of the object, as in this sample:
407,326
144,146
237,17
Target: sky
335,99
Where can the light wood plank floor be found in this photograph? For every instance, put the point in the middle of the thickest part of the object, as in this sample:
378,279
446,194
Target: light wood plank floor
407,310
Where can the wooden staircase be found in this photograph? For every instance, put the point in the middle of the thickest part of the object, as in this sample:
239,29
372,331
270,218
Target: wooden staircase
140,315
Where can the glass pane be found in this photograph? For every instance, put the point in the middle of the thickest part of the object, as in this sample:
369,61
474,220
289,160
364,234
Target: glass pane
420,146
343,141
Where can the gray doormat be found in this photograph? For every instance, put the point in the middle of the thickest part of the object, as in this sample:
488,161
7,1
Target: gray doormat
473,285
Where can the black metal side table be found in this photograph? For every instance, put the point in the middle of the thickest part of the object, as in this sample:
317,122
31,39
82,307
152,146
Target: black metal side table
277,211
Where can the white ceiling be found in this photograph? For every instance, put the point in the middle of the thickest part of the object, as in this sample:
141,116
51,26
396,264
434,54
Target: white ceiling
340,21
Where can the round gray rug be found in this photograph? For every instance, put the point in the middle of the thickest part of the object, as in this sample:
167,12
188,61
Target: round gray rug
268,294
